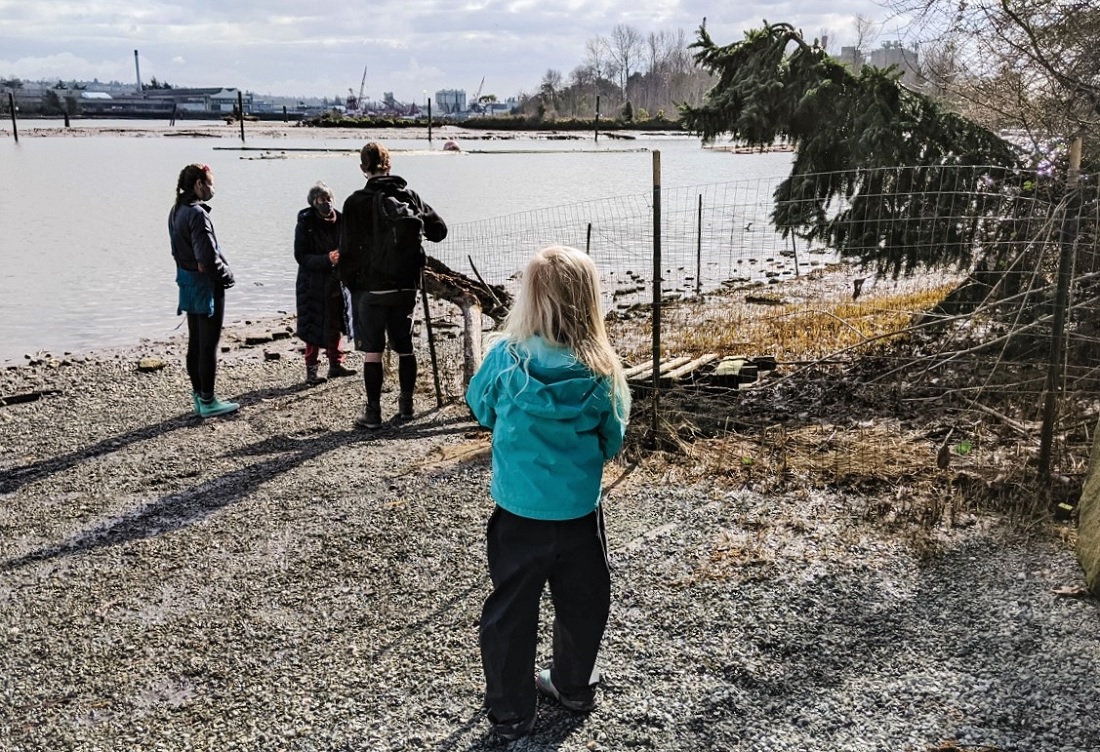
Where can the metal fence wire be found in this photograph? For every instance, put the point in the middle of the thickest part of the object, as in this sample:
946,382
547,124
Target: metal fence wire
946,303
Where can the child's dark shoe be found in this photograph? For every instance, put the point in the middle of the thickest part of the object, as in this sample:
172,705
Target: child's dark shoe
512,730
546,687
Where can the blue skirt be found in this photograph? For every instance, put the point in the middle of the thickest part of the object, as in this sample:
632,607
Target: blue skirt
196,293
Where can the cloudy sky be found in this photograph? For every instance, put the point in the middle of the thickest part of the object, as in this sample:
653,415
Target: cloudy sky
303,48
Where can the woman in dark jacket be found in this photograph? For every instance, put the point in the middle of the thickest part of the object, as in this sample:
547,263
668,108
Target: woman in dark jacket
322,305
203,275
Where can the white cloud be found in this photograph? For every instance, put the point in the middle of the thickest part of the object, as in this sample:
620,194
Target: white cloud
409,46
63,64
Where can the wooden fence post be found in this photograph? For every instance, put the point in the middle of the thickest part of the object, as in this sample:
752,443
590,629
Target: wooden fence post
699,249
14,125
1061,306
596,122
431,346
656,288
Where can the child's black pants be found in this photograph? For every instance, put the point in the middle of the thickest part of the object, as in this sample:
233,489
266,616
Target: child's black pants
524,555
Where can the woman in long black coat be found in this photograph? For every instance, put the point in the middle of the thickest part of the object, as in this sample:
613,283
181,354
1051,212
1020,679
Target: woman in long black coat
322,300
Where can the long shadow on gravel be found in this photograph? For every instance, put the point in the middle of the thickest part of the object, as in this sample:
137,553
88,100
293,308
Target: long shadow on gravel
15,478
284,443
184,508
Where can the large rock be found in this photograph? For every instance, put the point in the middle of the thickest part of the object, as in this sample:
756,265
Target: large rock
1088,525
150,365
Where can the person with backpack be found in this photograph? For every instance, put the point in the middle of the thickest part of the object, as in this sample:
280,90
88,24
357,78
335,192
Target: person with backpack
381,257
318,293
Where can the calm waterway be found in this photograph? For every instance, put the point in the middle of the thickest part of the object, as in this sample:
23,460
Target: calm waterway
83,238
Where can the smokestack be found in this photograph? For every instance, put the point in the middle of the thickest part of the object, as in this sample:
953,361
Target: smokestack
137,70
825,42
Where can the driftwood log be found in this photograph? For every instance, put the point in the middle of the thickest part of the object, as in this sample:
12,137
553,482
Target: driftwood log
17,399
447,284
474,298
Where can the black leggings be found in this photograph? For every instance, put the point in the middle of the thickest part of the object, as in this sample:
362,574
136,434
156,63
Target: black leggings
203,333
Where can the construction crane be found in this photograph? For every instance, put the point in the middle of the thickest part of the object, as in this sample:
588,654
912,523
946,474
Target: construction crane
362,85
475,105
355,105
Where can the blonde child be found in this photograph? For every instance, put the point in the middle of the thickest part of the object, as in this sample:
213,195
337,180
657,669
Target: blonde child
552,391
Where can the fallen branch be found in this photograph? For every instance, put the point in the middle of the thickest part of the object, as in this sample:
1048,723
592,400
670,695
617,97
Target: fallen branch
1016,426
446,284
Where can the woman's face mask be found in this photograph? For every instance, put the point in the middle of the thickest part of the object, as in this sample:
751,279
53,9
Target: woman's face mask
324,208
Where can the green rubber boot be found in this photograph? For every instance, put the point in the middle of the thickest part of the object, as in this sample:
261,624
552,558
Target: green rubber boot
214,407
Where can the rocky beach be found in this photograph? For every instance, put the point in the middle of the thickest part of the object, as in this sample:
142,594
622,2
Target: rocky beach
278,580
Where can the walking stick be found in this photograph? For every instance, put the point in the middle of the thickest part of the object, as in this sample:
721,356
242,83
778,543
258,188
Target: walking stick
431,343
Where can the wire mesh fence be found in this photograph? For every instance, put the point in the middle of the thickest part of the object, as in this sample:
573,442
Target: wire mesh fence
919,307
712,235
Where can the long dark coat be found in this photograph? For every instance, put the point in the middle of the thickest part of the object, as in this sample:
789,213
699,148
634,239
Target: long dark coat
322,309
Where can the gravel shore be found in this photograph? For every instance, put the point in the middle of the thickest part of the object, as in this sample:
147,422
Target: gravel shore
279,580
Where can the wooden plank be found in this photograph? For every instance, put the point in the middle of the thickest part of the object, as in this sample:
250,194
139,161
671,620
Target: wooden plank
671,363
642,372
633,371
730,371
679,372
733,371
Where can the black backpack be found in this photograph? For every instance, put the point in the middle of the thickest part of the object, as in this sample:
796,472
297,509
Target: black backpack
398,253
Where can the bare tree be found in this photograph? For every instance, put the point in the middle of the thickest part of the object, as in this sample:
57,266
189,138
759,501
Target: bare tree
598,57
583,76
662,75
1028,64
597,54
625,47
866,33
550,88
660,48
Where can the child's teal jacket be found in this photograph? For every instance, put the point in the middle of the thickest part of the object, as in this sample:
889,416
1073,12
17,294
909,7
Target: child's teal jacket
553,427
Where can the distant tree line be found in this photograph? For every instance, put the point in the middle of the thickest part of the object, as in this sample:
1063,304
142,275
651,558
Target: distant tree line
636,77
624,121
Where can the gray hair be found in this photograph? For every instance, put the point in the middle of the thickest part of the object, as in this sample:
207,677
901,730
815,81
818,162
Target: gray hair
318,190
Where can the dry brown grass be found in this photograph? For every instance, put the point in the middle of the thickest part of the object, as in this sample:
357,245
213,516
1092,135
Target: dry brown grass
887,476
907,468
803,320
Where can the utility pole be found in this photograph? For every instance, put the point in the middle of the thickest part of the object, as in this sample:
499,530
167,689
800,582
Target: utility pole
14,127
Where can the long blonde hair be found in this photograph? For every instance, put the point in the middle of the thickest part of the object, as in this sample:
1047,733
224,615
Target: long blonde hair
560,302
